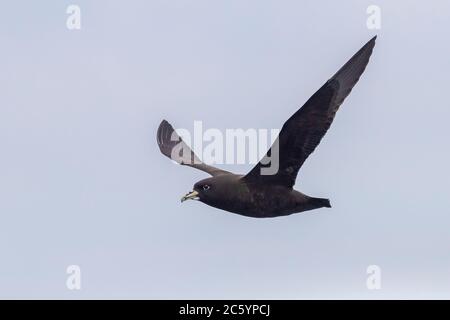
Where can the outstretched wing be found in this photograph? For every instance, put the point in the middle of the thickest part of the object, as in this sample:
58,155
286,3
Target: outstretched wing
173,147
302,133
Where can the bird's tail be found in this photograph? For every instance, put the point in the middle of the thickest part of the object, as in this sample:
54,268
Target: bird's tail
320,202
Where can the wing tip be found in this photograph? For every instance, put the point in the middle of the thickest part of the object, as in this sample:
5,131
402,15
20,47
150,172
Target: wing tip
368,47
164,124
164,129
371,42
356,65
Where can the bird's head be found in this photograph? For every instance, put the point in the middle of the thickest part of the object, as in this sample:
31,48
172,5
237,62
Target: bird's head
203,190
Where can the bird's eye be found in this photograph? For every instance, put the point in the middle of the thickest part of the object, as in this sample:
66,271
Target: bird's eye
206,187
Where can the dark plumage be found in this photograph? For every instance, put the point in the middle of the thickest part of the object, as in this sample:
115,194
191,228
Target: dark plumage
261,195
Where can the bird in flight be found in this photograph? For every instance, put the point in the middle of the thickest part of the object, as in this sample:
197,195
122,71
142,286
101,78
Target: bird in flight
258,194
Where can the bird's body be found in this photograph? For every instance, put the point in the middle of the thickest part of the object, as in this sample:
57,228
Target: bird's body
257,200
262,193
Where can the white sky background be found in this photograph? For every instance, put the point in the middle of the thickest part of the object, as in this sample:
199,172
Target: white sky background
82,180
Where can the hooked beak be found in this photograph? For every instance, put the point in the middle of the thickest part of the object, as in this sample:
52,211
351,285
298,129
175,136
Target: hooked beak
193,195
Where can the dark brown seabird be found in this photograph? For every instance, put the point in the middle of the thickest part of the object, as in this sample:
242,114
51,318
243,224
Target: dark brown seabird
272,195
